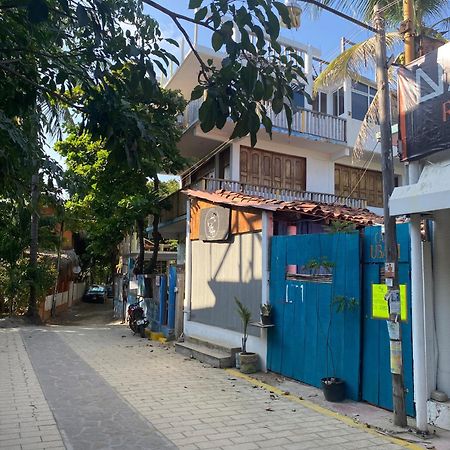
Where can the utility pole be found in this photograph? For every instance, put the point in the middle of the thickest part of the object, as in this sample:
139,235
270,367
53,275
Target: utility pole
390,235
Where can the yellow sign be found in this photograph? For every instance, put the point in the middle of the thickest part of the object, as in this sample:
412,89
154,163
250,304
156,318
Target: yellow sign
380,308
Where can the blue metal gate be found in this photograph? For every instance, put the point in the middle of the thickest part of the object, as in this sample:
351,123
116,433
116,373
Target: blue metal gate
311,339
317,318
376,376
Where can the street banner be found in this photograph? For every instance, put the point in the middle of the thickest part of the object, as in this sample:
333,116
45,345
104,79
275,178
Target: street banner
424,104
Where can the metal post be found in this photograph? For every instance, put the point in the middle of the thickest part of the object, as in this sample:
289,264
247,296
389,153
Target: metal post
390,238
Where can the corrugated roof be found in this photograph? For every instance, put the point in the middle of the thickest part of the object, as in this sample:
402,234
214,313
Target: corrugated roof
324,210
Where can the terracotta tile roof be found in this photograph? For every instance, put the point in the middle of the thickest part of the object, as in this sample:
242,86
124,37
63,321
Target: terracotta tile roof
324,210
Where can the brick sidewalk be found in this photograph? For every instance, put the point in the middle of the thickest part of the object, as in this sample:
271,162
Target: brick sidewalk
192,405
26,422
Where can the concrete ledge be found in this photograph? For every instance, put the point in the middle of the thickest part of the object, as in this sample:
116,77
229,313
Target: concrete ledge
206,352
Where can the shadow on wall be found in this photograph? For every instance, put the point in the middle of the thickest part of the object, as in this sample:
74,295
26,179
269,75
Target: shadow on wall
224,313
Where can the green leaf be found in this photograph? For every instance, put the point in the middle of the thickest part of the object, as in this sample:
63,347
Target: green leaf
82,15
274,25
267,125
195,4
217,41
284,13
201,13
277,105
197,92
258,91
37,11
288,112
172,41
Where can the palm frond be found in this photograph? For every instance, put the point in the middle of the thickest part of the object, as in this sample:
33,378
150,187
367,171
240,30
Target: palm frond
393,12
352,62
369,125
440,27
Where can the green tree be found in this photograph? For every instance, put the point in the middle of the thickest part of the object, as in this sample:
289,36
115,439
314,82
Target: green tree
71,57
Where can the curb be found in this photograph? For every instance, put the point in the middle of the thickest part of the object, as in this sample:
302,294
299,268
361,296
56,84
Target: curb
324,411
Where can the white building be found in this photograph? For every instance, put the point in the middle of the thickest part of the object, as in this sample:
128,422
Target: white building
314,163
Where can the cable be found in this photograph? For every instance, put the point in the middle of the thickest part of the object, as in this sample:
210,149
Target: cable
365,170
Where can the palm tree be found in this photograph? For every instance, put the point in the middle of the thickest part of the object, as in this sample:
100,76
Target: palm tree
431,21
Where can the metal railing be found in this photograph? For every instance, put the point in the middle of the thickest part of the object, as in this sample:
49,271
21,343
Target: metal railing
269,192
304,121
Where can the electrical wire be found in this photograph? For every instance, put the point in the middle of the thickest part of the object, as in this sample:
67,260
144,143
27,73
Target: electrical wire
365,167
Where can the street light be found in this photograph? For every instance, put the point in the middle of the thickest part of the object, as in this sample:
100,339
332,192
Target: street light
295,12
391,255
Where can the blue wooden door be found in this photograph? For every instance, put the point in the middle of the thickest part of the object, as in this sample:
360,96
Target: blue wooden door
376,375
311,338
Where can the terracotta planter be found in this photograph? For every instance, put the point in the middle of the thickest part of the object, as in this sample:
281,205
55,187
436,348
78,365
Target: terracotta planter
249,362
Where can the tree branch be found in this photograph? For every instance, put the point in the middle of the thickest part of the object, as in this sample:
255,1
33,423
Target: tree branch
60,97
174,15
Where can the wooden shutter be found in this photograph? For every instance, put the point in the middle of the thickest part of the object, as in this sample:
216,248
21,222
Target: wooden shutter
354,182
272,169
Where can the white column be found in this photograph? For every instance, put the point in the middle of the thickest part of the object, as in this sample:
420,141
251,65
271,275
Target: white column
308,73
188,266
429,322
267,231
235,161
442,297
418,330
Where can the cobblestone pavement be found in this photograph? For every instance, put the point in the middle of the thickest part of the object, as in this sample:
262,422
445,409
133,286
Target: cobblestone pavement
141,390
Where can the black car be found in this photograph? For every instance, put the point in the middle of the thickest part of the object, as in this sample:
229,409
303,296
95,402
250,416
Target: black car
95,293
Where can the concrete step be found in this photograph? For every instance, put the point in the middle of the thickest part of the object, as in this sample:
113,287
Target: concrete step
206,352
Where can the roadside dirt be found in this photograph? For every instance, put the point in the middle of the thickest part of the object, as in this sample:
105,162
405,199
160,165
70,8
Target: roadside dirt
87,314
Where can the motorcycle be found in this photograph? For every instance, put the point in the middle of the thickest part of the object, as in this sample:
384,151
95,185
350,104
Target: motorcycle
136,319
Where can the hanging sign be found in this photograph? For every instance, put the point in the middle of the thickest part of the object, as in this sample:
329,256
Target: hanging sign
380,307
424,104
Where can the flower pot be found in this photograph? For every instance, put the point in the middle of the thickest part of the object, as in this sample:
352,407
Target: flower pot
266,320
249,362
333,389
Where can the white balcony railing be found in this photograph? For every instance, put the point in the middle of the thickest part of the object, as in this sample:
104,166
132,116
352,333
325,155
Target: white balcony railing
269,192
305,121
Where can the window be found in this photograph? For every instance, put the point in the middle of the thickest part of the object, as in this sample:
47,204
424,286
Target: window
354,182
362,96
298,101
319,103
338,102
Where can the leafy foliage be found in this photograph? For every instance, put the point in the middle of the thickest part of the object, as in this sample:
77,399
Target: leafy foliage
245,316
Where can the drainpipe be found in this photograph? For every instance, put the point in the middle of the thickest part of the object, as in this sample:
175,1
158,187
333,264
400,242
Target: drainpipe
418,313
188,265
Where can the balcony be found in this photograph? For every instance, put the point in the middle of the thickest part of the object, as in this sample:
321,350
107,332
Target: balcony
269,192
306,123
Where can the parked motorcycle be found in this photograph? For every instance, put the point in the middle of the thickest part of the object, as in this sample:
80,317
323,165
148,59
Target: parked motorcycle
136,318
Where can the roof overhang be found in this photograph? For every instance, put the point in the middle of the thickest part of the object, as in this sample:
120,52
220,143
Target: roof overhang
431,193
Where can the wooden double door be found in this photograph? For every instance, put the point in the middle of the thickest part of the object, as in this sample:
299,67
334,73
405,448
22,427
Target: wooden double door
272,169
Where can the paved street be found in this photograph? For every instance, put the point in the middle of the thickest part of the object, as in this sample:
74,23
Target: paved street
96,386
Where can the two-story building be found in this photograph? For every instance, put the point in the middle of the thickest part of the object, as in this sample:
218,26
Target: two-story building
313,164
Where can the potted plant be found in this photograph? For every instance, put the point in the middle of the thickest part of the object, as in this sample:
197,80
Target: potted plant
266,314
332,386
247,362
